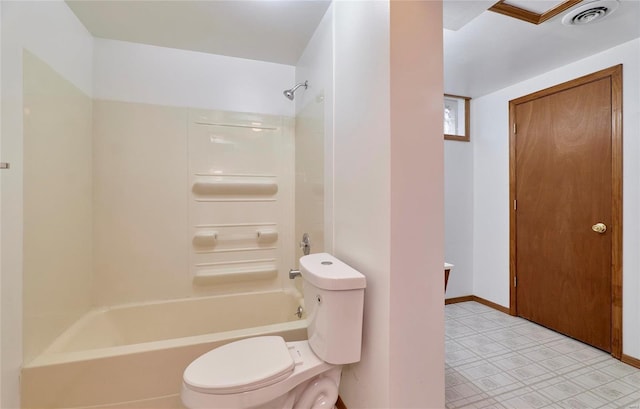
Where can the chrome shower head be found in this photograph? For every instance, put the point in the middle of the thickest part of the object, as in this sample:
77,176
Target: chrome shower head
289,92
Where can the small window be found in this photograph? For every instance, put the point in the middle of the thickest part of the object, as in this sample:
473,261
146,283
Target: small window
456,118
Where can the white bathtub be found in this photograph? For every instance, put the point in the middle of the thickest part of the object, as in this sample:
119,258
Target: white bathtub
134,355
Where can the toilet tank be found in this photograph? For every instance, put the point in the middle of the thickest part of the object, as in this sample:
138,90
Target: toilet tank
334,301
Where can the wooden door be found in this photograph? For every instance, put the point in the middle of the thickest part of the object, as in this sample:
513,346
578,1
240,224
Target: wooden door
565,148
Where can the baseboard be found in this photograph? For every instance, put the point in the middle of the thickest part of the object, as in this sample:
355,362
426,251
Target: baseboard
478,300
340,404
629,360
456,300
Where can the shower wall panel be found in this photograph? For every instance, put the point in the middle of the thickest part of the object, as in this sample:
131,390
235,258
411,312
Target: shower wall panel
310,174
241,201
140,207
57,204
183,207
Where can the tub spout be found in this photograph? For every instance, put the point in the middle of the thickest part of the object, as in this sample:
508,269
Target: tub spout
294,273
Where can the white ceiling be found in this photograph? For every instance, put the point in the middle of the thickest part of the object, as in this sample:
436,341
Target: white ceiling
267,30
456,14
493,51
484,51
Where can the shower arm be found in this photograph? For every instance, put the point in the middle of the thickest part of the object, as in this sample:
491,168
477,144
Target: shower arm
305,85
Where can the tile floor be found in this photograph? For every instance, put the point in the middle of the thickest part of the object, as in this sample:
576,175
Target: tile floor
494,360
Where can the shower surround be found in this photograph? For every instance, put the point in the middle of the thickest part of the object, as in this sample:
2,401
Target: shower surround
176,203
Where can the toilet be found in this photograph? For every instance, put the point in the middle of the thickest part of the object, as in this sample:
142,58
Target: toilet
267,372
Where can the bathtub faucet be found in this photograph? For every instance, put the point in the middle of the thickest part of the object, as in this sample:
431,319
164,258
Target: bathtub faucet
294,273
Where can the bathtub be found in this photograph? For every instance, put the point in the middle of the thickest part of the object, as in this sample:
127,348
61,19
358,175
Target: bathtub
133,356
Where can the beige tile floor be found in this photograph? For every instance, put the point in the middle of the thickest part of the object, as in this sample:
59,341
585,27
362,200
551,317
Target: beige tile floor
494,360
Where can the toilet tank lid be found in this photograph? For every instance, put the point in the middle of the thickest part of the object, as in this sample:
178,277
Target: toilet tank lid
328,273
240,366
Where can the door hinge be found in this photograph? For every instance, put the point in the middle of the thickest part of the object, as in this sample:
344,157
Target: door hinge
515,128
515,281
515,204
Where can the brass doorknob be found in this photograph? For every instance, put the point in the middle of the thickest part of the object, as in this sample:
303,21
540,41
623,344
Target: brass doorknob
599,228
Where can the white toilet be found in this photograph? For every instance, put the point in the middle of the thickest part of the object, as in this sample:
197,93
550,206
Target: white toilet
267,372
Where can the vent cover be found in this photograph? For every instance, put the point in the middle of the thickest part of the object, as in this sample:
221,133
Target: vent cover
590,12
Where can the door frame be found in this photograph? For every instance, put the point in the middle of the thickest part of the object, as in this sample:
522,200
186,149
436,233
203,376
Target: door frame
615,75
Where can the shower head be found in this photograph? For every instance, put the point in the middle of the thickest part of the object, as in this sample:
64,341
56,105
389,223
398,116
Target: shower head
289,92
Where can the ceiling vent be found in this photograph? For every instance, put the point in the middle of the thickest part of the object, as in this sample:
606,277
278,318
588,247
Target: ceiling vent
590,12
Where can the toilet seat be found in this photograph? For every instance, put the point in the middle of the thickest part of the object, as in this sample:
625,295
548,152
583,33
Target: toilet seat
241,366
306,366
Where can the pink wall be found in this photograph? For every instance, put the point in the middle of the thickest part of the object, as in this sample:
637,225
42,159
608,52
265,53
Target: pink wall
388,196
417,206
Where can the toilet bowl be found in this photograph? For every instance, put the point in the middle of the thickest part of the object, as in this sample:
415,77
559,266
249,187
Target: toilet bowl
267,372
291,376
